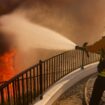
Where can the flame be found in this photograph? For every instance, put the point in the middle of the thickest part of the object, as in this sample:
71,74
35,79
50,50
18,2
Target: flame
7,66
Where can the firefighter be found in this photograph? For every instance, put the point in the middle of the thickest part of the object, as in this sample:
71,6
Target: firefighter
99,85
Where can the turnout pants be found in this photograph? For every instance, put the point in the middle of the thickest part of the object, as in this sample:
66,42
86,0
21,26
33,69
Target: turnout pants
98,89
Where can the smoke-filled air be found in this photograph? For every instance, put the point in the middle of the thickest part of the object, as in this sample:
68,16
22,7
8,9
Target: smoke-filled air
29,38
42,28
80,21
28,35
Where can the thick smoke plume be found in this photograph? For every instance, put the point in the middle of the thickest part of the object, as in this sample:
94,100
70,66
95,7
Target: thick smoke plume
32,40
29,35
6,44
79,20
7,6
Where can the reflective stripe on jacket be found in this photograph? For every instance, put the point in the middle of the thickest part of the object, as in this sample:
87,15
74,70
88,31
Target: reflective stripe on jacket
102,74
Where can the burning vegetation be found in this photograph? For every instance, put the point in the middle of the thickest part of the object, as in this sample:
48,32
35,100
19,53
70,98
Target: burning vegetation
7,54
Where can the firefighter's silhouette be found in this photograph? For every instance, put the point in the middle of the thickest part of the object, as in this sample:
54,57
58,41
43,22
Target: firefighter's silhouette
99,85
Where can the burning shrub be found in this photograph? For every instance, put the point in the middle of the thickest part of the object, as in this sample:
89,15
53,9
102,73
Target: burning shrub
7,54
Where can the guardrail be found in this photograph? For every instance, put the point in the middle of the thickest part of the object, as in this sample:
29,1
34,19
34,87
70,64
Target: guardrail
29,86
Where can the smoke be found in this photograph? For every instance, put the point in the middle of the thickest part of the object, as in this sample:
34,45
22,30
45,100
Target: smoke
6,44
83,19
79,21
32,41
6,6
71,18
29,35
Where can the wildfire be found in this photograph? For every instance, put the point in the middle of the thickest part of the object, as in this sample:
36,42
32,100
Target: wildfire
7,66
7,54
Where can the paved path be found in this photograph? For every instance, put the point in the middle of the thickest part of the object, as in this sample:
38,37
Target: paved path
88,90
74,95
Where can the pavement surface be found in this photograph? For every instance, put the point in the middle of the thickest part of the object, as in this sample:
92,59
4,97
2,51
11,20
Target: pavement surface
79,93
74,95
89,88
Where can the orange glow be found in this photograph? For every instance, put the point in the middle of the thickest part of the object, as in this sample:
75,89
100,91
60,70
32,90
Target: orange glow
7,66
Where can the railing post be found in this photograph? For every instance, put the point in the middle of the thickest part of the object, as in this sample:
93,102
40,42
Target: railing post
41,83
2,97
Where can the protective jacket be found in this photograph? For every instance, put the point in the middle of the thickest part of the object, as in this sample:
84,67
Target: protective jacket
101,68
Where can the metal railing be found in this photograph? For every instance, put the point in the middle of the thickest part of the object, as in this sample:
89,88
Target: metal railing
29,86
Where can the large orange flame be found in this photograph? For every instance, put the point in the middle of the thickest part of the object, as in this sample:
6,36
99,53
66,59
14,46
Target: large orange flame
7,66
